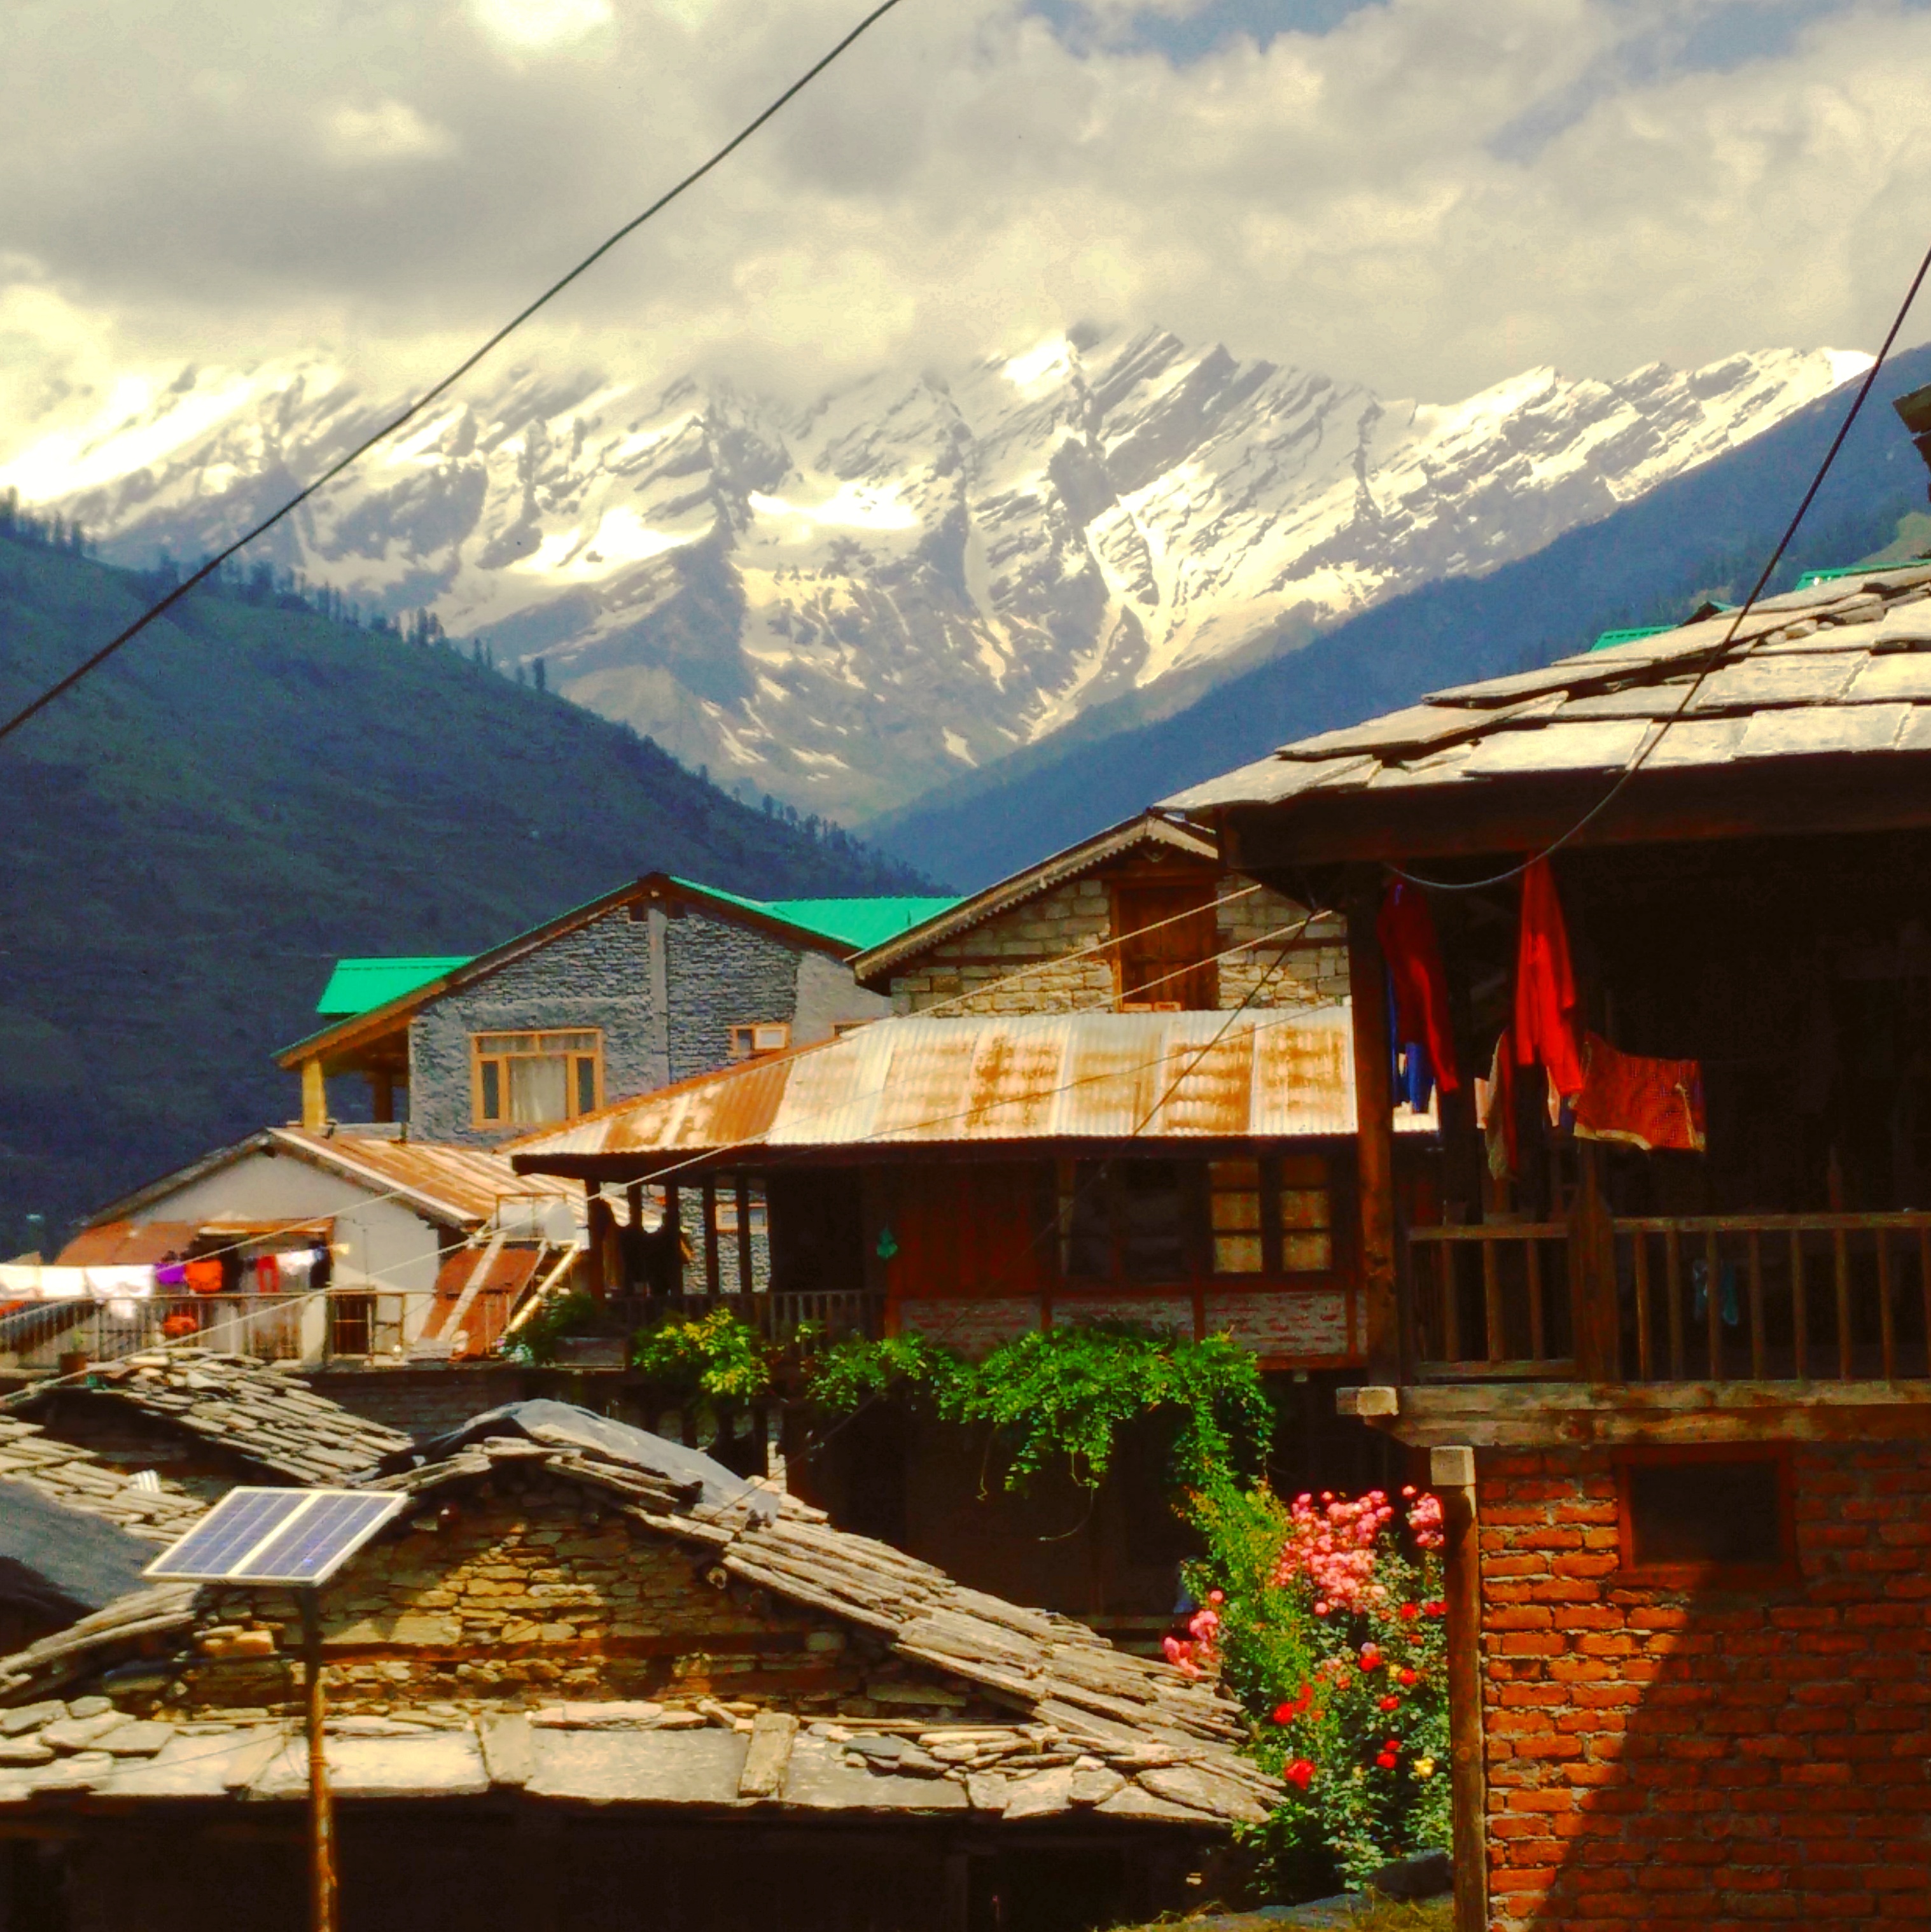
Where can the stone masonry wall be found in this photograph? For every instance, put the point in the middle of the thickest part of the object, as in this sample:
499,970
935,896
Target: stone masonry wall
1696,1757
961,972
533,1588
598,976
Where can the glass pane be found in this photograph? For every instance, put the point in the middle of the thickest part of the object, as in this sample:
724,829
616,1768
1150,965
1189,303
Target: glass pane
1151,1246
1234,1173
1304,1207
1306,1254
587,1085
493,1090
1237,1254
506,1043
539,1089
772,1038
1088,1246
1237,1211
566,1042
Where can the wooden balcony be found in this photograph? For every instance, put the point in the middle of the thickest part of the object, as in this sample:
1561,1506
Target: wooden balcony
1705,1298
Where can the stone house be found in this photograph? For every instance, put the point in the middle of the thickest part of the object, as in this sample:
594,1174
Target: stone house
1668,1348
590,1675
652,982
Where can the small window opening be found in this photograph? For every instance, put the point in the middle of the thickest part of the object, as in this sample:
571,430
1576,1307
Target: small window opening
1717,1519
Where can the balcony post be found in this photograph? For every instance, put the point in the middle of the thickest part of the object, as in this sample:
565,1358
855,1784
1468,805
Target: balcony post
1373,1127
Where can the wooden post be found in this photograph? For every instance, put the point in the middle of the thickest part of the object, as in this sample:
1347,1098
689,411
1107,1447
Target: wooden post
382,1095
597,1221
1452,1473
1373,1130
321,1805
314,1096
1595,1322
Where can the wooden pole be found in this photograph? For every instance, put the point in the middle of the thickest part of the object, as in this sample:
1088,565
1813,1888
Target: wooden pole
1451,1472
321,1805
314,1096
1374,1128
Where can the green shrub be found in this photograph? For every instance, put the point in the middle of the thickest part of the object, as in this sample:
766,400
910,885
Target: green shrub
714,1357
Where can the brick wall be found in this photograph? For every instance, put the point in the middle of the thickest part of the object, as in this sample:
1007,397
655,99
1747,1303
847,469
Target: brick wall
1718,1759
517,1588
961,972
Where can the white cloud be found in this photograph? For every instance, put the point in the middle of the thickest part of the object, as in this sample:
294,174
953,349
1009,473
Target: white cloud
536,26
391,130
1365,200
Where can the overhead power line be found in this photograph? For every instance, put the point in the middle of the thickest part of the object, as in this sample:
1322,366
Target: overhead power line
1718,651
441,388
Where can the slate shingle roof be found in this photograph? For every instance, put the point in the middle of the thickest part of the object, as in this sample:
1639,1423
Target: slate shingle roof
1841,667
271,1418
30,1455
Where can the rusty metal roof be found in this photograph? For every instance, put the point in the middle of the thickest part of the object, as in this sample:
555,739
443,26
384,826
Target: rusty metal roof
461,1187
926,1080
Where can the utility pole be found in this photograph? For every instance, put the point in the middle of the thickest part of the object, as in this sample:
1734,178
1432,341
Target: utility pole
321,1805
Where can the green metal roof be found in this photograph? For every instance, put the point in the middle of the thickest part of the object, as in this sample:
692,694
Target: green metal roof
1811,577
1628,637
864,923
361,986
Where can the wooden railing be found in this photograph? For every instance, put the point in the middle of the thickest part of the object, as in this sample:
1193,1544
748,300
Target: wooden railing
268,1328
1722,1297
834,1312
1773,1297
1492,1299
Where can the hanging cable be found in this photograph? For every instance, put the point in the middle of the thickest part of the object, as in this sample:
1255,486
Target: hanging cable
448,381
1715,655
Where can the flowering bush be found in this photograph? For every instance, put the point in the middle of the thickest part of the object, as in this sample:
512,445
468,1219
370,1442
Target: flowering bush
1328,1623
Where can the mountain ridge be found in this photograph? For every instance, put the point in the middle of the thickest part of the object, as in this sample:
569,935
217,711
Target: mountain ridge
919,573
1706,533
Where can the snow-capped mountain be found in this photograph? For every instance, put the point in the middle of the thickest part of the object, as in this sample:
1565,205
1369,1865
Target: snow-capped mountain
844,605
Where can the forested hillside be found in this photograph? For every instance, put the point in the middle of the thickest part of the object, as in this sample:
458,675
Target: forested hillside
252,788
1704,534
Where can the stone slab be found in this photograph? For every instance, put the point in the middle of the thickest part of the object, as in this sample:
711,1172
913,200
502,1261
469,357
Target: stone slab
638,1767
441,1764
817,1779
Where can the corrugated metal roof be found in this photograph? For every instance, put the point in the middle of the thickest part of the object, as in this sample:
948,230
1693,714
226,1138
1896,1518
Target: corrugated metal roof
466,1187
1841,666
930,1081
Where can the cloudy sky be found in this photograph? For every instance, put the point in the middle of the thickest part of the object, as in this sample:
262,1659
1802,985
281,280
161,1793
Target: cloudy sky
1427,195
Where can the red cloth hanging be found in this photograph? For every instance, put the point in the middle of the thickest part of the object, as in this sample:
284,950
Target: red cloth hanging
1413,957
1648,1103
1545,986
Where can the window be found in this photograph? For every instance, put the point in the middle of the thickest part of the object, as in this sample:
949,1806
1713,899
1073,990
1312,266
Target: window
1295,1237
1167,939
1714,1516
527,1079
757,1036
1122,1220
726,1212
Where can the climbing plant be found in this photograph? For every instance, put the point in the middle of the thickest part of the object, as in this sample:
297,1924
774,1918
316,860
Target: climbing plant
1061,1397
713,1356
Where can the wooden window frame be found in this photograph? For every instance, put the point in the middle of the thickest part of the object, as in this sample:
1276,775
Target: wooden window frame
745,1042
1785,1569
1122,889
479,1056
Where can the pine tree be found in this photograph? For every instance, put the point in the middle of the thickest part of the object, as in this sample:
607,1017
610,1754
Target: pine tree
538,676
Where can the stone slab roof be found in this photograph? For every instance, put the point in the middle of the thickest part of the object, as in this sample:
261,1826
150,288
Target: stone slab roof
266,1415
1842,668
153,1508
1089,1726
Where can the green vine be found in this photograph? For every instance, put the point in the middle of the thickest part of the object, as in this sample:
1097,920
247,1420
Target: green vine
716,1355
535,1343
1067,1392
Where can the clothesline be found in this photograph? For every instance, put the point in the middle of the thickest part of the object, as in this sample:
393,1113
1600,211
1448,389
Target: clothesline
288,1272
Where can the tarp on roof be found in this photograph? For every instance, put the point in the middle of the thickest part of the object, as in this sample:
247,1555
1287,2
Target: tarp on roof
542,1420
361,986
60,1561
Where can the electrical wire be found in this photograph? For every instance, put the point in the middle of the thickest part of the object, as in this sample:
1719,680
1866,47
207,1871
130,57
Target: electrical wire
448,383
1715,655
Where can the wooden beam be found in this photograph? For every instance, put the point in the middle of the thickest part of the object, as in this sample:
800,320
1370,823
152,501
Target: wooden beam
314,1096
1374,1128
1578,1415
1451,1476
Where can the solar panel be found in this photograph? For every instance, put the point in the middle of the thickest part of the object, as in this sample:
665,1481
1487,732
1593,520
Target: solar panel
276,1536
